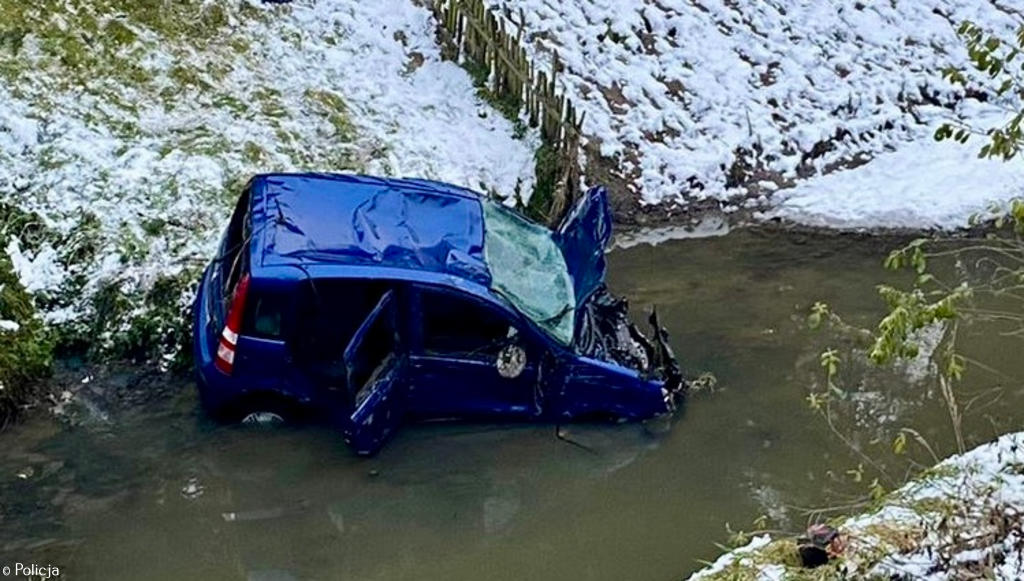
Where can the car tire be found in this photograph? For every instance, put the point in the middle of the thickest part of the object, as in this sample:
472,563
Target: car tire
263,411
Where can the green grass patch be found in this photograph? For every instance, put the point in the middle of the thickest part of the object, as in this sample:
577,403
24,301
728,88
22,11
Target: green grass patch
25,353
508,105
332,107
546,173
141,327
27,227
164,327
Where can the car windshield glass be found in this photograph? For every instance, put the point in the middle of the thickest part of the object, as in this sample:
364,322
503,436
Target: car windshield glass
528,269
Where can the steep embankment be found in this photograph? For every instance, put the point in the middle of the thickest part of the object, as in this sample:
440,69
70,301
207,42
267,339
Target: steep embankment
128,128
963,519
696,103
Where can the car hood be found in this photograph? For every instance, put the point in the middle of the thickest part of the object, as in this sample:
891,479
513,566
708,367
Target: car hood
583,236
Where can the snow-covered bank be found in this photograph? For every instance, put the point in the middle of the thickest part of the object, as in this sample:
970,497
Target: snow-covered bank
964,518
923,184
722,98
126,132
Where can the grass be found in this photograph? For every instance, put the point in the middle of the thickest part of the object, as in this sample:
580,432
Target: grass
940,525
508,104
547,170
103,67
332,107
547,164
26,353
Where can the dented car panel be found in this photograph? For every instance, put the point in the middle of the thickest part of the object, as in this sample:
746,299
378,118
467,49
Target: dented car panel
374,302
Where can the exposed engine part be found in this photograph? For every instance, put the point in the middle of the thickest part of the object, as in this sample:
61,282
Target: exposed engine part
606,333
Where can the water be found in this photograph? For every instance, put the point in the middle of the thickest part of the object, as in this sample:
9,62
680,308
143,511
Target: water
159,492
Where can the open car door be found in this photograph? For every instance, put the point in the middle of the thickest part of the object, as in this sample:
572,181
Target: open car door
583,236
375,368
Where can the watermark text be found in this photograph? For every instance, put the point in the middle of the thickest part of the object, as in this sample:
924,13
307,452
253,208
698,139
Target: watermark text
31,571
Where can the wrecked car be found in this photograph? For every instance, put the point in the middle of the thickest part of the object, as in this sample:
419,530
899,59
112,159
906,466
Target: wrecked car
372,302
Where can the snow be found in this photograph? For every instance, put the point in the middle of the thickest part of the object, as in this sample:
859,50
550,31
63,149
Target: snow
729,558
674,88
966,512
986,485
38,273
708,227
133,178
925,184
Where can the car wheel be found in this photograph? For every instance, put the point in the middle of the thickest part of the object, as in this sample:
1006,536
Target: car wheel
263,418
264,411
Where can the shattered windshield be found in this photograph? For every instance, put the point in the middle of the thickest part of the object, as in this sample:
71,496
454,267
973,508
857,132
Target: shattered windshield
528,269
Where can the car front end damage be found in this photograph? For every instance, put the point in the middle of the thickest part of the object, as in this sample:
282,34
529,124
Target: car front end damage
605,332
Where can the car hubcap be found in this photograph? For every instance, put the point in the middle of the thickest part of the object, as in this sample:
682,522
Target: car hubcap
263,418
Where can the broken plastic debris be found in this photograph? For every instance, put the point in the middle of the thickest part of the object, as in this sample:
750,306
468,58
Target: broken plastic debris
192,489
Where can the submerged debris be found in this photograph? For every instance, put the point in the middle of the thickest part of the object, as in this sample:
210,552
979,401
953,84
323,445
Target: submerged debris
193,489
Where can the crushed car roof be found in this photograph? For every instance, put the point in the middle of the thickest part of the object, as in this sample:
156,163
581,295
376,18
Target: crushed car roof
359,220
416,225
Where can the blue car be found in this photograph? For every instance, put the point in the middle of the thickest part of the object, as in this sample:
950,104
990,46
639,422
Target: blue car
371,302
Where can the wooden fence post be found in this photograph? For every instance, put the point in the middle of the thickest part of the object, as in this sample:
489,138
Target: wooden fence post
482,35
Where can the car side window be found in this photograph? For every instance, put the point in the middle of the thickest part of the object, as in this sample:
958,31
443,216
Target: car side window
456,325
330,311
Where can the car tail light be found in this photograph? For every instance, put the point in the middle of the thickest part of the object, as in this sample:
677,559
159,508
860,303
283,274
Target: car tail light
225,360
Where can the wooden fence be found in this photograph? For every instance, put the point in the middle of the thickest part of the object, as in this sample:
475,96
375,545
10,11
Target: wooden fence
471,31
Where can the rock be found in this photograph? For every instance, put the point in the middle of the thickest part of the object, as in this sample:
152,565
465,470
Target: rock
820,545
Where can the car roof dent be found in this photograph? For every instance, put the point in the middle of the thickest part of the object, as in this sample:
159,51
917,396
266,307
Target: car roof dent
353,220
349,226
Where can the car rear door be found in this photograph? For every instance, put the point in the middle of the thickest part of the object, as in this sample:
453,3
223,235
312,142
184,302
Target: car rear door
376,377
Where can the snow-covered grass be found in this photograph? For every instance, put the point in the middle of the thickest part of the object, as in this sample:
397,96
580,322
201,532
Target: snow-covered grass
128,128
716,98
962,519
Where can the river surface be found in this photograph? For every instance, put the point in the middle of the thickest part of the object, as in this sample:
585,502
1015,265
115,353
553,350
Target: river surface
154,490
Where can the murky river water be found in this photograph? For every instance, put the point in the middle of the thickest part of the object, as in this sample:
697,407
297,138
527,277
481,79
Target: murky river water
158,492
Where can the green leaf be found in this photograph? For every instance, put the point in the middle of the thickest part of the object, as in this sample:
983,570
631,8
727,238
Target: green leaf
894,261
899,445
830,362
